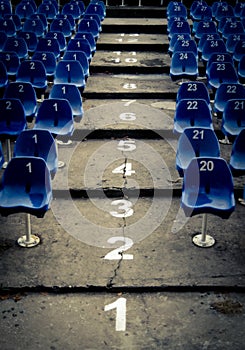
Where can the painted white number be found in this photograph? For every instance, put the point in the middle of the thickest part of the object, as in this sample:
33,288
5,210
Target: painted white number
206,165
125,169
28,165
126,145
120,306
118,253
198,134
130,86
123,205
127,116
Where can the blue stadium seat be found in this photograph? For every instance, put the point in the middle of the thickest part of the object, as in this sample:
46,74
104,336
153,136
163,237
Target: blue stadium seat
3,38
26,93
24,9
219,57
93,17
30,39
17,45
233,119
89,37
232,39
221,72
206,37
184,65
49,45
201,12
60,37
193,90
186,45
176,9
174,39
89,25
232,28
3,76
72,94
11,62
49,61
81,5
237,158
207,189
12,117
81,57
70,72
95,9
179,27
192,113
239,51
223,22
48,10
204,27
34,72
5,8
241,70
16,19
227,92
70,19
238,7
80,45
217,4
72,9
55,115
212,46
174,19
35,25
8,26
42,17
38,143
224,11
195,142
61,25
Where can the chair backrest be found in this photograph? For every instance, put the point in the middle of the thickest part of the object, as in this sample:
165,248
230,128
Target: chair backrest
24,9
237,159
192,113
179,27
26,93
195,142
232,28
34,72
70,19
176,9
205,27
26,187
30,39
239,50
17,45
232,39
227,92
185,45
61,25
208,188
212,46
81,57
95,8
12,117
241,70
11,61
69,72
81,5
89,25
193,90
233,119
35,25
3,75
71,93
37,143
42,17
201,12
224,11
3,38
89,37
80,44
48,59
48,10
55,115
218,57
50,45
183,66
8,26
175,38
221,72
60,37
73,9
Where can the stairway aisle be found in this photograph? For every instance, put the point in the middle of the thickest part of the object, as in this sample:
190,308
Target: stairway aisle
117,268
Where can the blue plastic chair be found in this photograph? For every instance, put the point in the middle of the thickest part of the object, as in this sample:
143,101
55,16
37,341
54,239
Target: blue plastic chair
81,5
30,39
95,9
186,45
237,159
24,9
55,115
93,17
49,45
26,93
12,117
174,39
34,72
241,70
239,51
80,45
201,12
90,26
49,61
35,25
204,27
26,188
72,94
176,9
233,119
207,189
81,57
210,47
221,72
193,90
89,37
70,72
16,19
184,65
70,19
3,76
60,37
174,19
72,9
38,143
224,11
192,113
206,37
42,17
179,27
195,142
8,26
232,40
232,28
11,62
218,57
227,92
5,8
224,20
17,45
238,7
49,10
61,25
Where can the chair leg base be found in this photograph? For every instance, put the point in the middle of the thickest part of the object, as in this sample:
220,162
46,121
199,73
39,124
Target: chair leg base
32,242
198,241
241,201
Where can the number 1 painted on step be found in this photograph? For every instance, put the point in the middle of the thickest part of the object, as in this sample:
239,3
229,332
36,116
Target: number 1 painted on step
120,306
